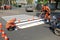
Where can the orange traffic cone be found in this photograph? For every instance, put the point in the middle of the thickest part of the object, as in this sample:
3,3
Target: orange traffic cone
28,19
0,27
0,31
6,38
3,34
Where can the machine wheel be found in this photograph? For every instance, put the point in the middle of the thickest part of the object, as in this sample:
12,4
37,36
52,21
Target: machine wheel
57,31
11,28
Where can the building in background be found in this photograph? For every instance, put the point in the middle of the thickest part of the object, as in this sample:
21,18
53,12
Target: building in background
21,2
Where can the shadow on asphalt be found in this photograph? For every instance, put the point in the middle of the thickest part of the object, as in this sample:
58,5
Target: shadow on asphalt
49,28
52,30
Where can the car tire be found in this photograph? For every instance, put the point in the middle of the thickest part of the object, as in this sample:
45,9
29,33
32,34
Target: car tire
57,31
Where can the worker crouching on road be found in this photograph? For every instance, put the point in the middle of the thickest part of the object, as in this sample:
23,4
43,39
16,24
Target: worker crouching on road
10,25
46,10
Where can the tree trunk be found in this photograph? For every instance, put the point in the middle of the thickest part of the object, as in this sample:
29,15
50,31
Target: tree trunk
56,3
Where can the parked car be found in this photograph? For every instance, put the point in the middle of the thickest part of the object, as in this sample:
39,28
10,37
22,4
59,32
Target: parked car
18,5
7,7
29,8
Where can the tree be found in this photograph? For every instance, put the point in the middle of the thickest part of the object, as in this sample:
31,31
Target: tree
39,2
29,1
56,3
42,2
45,2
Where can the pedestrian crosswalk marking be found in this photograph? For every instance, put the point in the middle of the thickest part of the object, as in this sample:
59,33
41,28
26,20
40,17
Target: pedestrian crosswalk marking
30,25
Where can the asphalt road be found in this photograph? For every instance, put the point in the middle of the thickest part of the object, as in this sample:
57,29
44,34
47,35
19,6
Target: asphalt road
15,11
41,32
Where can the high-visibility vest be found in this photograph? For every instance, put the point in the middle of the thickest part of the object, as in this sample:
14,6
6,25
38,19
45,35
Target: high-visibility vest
10,23
46,8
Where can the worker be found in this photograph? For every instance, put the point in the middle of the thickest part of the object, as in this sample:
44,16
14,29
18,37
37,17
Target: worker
10,25
46,11
47,17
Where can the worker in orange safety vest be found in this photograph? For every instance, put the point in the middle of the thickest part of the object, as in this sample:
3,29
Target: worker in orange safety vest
11,24
47,10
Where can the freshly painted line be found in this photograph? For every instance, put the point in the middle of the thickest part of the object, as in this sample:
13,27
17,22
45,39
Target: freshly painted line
30,25
29,22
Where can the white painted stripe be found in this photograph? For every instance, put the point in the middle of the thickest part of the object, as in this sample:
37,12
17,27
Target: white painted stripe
29,22
30,25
